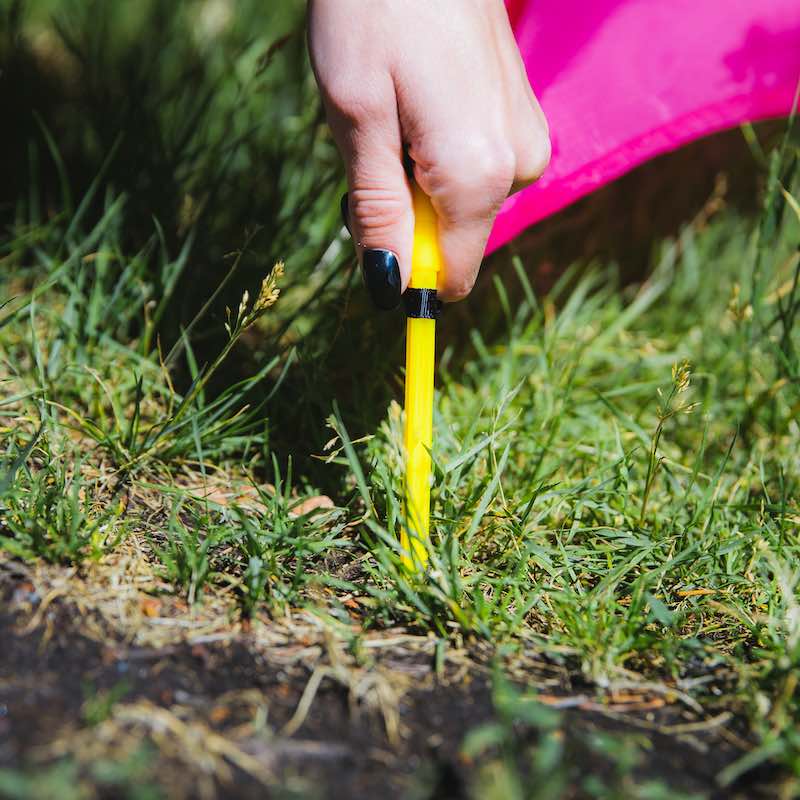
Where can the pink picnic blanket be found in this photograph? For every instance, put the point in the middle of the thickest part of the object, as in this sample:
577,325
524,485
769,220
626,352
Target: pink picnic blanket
621,81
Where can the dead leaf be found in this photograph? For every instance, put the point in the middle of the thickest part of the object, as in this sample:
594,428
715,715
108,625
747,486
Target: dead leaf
316,503
150,606
242,495
695,592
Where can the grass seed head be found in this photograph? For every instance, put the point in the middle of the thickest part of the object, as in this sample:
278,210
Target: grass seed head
269,293
681,375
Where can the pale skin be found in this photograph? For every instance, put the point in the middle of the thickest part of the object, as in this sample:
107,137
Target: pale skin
443,81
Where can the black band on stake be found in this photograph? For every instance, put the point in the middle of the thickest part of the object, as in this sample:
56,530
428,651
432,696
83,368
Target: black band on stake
422,304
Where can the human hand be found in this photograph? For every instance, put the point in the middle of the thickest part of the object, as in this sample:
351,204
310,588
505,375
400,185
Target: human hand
444,82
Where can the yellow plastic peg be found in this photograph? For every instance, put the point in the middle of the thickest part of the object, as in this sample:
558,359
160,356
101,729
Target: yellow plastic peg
422,308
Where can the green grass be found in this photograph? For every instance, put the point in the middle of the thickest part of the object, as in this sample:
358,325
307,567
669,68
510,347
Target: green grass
617,472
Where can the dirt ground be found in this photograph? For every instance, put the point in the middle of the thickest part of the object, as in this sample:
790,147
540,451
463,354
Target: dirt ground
235,714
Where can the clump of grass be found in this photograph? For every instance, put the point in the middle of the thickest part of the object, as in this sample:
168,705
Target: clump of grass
579,504
93,406
198,115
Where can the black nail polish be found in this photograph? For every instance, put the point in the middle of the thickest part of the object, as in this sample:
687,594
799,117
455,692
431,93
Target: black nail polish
382,278
344,205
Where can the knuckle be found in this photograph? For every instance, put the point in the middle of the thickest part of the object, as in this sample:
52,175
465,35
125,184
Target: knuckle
492,164
478,165
472,180
500,170
459,288
545,152
534,151
538,158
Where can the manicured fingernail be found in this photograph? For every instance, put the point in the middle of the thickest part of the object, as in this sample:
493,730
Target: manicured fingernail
345,207
382,278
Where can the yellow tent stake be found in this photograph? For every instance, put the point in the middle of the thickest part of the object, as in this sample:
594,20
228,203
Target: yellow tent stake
421,307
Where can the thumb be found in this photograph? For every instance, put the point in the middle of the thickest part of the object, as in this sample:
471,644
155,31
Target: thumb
379,209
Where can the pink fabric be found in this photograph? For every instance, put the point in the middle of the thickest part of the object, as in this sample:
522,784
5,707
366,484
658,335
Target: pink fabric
621,81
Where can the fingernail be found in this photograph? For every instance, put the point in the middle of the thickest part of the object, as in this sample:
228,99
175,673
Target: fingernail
382,278
344,205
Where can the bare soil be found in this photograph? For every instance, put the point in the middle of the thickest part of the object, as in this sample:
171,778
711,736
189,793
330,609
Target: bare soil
345,747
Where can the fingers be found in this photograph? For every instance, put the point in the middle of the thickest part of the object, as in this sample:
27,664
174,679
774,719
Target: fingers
381,214
467,182
470,150
380,210
528,127
444,79
529,132
531,146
